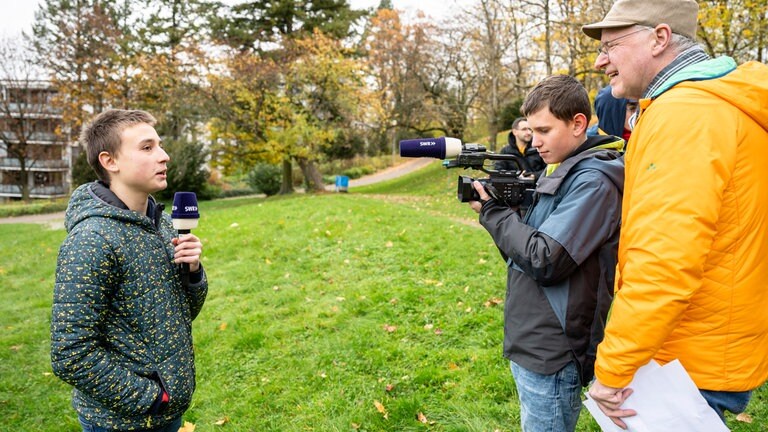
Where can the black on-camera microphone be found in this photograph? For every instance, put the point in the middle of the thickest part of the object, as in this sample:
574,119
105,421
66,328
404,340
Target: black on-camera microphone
184,215
441,148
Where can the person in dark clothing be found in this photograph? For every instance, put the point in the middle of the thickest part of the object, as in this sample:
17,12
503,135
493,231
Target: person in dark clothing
613,115
121,321
561,256
519,143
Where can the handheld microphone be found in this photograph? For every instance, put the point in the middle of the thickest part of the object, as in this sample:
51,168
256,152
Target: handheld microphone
440,148
184,215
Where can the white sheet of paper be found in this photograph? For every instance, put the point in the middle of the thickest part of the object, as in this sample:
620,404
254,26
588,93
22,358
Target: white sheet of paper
666,399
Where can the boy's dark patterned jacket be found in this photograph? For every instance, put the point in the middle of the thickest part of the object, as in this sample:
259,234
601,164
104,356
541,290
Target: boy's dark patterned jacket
121,325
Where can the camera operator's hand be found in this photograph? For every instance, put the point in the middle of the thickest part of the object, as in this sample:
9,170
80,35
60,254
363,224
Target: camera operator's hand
527,175
477,205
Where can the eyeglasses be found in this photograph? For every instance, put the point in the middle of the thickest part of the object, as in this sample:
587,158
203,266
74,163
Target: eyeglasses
606,47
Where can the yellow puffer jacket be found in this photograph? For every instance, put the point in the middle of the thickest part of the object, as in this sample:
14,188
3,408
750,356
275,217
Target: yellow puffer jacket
693,251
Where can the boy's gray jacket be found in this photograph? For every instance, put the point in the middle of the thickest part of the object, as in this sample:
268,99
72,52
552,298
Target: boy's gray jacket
121,325
562,261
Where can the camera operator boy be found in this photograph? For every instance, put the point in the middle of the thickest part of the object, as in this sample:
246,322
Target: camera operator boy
561,256
121,323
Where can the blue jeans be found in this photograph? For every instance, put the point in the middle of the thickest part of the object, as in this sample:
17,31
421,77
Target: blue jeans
548,403
173,426
735,402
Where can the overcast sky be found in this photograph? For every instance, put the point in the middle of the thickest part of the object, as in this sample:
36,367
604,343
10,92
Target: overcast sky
17,15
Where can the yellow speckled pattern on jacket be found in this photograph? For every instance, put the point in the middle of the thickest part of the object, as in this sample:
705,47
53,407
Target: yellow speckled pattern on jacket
121,321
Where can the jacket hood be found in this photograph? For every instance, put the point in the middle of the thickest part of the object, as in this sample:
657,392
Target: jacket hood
607,158
610,112
601,153
96,200
745,86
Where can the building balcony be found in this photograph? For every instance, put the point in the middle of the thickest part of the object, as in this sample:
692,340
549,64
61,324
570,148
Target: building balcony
13,164
33,110
51,191
34,138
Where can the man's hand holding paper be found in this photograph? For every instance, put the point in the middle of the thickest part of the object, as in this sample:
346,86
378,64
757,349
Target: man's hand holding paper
610,400
664,399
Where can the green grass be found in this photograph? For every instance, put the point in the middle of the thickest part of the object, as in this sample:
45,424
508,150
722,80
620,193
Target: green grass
320,307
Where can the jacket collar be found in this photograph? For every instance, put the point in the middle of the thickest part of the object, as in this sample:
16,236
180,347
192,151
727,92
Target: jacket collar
100,190
606,147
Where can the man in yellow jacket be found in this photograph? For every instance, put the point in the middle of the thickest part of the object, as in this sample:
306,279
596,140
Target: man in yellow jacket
693,277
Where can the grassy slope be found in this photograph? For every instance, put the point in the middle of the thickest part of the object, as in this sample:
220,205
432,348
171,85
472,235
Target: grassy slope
321,309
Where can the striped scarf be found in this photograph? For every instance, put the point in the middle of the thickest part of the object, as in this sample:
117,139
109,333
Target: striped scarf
686,58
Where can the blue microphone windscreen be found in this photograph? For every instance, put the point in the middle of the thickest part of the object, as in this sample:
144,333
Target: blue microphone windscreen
184,206
440,148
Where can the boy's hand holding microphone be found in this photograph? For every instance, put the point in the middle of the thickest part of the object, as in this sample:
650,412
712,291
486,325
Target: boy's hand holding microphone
188,247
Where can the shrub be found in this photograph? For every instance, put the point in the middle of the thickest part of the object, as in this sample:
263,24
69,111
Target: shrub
265,178
33,208
186,170
359,171
81,171
230,193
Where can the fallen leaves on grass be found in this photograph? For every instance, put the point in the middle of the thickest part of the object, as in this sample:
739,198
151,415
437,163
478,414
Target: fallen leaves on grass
493,302
380,408
222,326
423,419
222,422
744,418
389,328
188,427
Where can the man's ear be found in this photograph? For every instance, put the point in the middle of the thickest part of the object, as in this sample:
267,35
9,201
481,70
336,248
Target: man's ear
662,38
580,124
108,162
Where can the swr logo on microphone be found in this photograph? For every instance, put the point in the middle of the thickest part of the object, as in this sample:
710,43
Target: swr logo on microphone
427,143
186,208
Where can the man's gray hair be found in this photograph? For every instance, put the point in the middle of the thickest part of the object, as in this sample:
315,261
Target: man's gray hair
682,43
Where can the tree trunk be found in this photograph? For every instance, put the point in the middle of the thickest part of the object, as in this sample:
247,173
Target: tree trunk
311,175
24,185
287,186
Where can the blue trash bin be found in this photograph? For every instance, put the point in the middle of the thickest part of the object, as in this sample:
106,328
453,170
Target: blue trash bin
342,183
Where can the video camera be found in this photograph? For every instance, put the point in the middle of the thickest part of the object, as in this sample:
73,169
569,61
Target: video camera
513,188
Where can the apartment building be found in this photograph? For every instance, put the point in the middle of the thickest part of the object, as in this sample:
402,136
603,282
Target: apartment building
35,153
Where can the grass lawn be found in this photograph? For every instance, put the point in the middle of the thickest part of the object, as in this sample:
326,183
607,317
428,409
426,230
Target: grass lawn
377,310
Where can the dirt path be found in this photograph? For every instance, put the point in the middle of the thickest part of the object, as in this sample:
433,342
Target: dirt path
56,220
388,174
